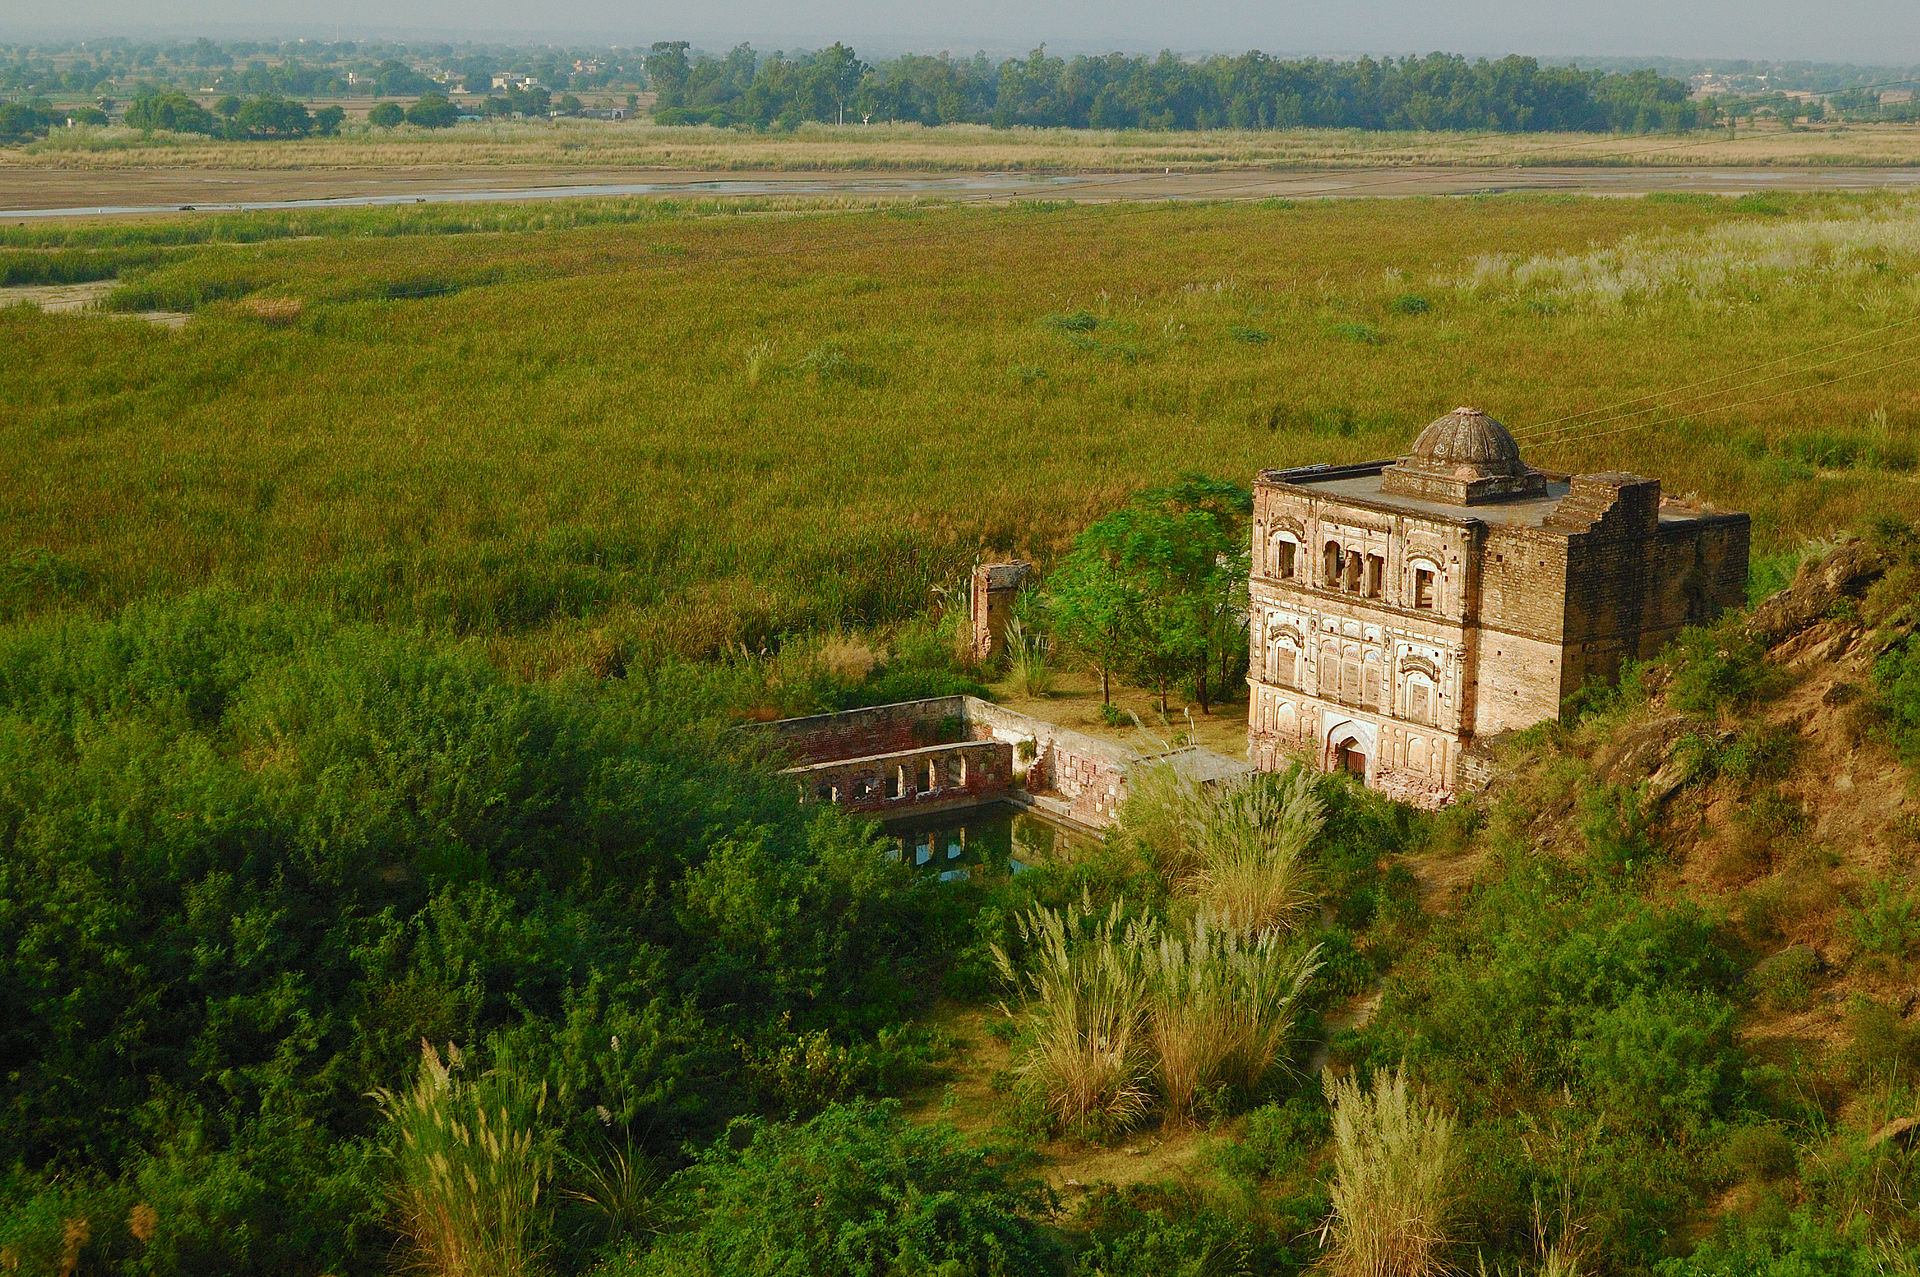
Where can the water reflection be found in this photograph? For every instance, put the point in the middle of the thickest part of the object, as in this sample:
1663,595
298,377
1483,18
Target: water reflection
990,842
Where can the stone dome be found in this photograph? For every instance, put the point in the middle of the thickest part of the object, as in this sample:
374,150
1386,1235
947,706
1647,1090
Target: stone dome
1468,439
1464,458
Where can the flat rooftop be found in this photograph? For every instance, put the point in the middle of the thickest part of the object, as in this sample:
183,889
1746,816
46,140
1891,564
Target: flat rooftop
1361,485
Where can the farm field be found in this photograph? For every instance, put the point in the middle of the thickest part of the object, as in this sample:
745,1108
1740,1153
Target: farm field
391,875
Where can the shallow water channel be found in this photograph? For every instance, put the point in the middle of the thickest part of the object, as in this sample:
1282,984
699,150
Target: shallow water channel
992,841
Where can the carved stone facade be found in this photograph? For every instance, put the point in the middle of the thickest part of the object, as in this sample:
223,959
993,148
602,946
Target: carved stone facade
1403,610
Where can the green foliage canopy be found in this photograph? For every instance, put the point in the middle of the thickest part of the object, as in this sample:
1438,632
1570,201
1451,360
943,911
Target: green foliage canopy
1155,588
249,859
858,1191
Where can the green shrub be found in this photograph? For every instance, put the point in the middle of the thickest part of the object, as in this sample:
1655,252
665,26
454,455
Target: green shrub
1885,921
1410,304
859,1191
1662,1057
1771,817
1757,752
1356,330
1717,667
1078,321
1614,820
1277,1139
1896,679
1785,981
1760,1153
298,847
1163,1230
1751,1246
1501,997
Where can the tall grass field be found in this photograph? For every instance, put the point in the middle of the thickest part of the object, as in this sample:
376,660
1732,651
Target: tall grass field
595,434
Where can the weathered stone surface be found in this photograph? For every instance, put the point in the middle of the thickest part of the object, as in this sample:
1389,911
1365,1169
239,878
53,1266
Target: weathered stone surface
1845,572
1803,956
990,597
1402,612
1642,752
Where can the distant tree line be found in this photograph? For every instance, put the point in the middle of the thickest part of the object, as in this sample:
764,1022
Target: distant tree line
307,68
1253,91
231,117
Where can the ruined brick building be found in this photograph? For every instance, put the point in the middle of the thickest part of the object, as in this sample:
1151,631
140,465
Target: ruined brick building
1403,611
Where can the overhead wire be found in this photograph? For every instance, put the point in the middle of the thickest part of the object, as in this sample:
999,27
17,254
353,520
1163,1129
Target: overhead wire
1543,427
1678,397
1777,394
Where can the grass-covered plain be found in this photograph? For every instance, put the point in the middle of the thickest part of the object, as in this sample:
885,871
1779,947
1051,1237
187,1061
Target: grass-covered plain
596,440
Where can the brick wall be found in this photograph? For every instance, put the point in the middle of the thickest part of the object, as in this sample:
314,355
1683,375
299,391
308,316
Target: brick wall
1093,787
877,729
970,771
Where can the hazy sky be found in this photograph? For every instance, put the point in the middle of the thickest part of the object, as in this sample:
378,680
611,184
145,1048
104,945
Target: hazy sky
1877,31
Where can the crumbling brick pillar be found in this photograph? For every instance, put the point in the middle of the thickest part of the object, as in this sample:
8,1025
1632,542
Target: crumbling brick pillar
990,596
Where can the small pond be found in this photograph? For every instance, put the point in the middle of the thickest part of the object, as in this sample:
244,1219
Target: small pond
991,840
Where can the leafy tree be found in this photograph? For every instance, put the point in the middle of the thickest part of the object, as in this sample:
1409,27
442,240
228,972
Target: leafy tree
528,101
394,78
386,115
172,111
1157,587
273,117
19,122
228,106
667,71
328,119
569,104
476,74
433,111
1096,607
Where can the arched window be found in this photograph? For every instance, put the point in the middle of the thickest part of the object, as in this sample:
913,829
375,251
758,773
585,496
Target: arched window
1283,549
1331,565
1283,662
1422,702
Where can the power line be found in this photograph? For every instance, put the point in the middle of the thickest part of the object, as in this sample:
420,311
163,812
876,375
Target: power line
1669,397
1791,390
1541,427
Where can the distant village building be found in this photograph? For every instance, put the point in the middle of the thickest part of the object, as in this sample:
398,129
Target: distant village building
1405,611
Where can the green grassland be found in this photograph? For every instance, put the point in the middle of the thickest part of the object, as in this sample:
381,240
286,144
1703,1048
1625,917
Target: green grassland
573,433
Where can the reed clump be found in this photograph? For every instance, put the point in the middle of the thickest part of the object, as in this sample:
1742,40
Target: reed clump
1391,1190
1224,1005
470,1168
1118,1011
1029,659
1083,991
1240,849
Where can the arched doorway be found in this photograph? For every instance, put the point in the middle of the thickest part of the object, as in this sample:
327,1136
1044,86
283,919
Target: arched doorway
1350,755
